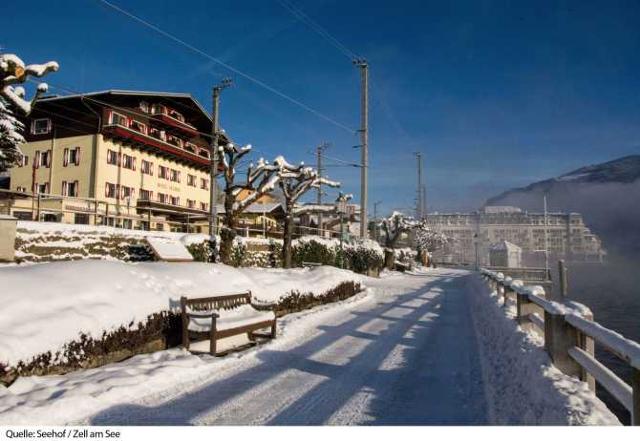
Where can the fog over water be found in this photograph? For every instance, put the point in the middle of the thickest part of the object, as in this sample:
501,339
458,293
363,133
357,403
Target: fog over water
612,291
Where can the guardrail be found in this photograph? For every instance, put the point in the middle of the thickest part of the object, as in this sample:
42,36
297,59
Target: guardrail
570,335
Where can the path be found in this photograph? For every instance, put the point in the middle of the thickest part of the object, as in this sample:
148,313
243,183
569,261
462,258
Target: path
406,356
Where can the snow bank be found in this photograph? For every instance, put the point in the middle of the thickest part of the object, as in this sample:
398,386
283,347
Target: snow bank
523,386
48,305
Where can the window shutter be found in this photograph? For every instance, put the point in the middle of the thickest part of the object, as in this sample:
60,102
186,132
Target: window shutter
76,188
77,155
48,125
36,160
106,190
46,188
48,158
65,158
134,164
64,188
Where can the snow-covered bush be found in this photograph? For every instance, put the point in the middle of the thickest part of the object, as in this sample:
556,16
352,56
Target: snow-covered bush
365,257
204,251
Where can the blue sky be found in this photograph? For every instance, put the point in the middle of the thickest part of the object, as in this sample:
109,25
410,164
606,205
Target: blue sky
494,94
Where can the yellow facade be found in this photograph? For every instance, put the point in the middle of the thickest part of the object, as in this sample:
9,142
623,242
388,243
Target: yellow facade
93,174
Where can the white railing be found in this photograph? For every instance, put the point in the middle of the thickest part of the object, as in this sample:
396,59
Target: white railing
570,335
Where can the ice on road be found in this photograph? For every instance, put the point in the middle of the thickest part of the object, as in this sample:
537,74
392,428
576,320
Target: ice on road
405,355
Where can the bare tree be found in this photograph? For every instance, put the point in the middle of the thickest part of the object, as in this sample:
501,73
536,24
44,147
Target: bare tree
261,179
428,240
294,181
393,228
13,103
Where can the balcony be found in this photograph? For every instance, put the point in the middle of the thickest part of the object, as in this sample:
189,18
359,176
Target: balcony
175,148
172,119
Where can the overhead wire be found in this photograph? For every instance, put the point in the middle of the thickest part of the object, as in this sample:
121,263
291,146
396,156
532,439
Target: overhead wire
228,66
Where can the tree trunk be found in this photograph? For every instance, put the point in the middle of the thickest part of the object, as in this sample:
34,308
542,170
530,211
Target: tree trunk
228,232
287,239
389,258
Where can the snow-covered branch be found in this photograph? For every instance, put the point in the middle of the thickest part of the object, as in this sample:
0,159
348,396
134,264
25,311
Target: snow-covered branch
12,102
13,71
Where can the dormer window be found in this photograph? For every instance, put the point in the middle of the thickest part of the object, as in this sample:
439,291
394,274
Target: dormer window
144,106
41,126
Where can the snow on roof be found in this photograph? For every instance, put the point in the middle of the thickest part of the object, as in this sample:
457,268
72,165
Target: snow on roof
506,245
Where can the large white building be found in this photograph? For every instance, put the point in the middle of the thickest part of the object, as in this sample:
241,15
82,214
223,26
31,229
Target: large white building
471,234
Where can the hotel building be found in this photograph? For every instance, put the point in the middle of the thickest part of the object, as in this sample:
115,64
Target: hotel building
122,158
567,236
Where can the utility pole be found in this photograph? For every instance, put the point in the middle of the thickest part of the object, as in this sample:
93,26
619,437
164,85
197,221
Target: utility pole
213,153
375,219
364,142
321,148
419,199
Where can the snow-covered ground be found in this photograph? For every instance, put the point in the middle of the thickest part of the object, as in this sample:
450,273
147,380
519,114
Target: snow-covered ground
428,348
49,304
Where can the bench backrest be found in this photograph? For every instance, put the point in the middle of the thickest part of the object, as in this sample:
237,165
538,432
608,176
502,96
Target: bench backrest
228,301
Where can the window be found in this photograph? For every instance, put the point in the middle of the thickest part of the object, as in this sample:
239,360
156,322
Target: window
127,192
144,106
163,198
163,172
174,140
146,195
204,206
128,162
157,109
40,126
190,147
156,133
118,119
175,200
147,168
42,188
191,180
191,203
21,189
70,188
24,161
44,158
71,156
204,184
111,190
138,126
112,157
174,175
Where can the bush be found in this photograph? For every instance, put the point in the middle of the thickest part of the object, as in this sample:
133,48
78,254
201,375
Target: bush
203,252
364,257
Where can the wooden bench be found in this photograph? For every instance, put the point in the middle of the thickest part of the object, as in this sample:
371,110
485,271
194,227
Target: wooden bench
223,316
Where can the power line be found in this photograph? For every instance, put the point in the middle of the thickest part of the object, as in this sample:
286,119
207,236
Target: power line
228,66
304,18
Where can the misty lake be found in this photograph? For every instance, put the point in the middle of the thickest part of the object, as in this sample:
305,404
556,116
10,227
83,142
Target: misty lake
612,291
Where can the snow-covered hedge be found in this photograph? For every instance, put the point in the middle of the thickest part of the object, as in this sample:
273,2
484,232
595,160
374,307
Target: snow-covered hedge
365,257
64,315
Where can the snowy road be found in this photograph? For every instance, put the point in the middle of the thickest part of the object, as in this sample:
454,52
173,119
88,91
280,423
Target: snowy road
406,355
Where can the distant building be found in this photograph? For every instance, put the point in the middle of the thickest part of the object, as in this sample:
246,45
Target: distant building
505,254
470,233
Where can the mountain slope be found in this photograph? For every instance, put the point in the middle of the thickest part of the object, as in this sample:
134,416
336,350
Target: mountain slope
607,195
